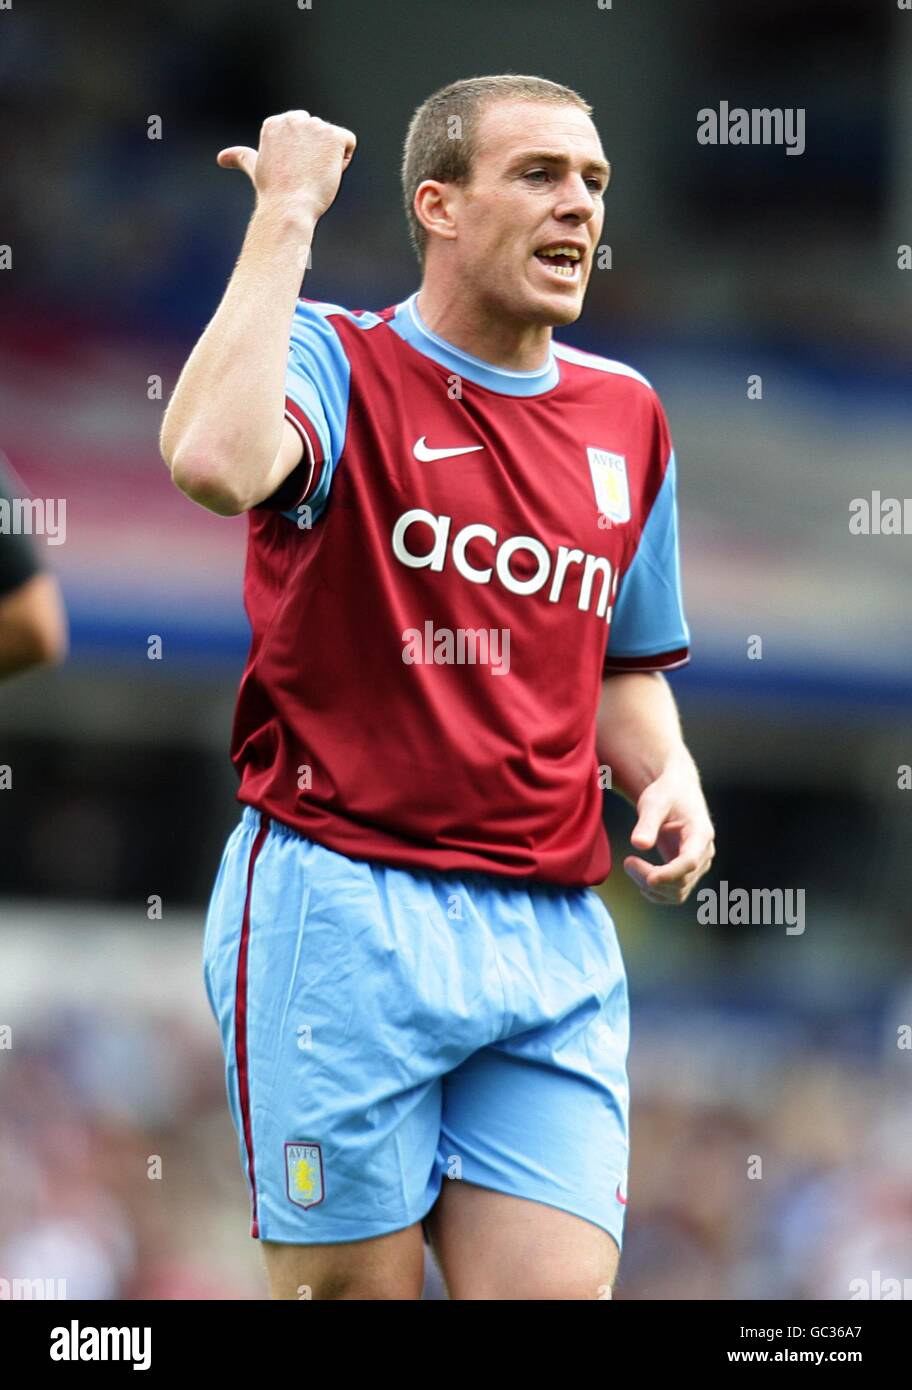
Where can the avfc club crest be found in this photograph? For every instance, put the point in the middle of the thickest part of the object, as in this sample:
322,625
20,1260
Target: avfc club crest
304,1174
609,479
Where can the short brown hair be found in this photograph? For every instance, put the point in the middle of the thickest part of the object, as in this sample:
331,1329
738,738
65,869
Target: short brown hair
431,150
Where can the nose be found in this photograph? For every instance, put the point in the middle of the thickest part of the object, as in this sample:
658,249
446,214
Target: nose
576,200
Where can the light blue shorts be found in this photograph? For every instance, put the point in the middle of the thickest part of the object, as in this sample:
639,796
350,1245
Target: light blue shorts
387,1029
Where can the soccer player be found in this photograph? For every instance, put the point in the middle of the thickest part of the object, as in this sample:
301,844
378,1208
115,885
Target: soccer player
463,586
33,625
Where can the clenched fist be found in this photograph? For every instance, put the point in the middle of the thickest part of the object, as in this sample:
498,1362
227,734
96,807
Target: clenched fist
299,164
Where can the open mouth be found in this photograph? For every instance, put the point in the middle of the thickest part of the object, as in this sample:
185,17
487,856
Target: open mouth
562,261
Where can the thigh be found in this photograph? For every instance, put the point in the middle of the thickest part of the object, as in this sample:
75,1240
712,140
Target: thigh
540,1117
334,1093
493,1246
387,1267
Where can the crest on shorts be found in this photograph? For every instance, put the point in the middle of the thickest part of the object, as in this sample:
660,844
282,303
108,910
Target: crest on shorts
609,479
304,1174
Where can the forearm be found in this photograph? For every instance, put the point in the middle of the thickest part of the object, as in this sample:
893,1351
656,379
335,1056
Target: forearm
223,426
638,731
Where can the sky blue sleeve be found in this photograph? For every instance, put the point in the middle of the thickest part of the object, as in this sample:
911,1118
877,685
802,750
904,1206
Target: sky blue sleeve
648,628
317,386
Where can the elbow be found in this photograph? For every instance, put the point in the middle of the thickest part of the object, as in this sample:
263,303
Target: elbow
33,627
46,648
53,644
204,482
35,648
50,630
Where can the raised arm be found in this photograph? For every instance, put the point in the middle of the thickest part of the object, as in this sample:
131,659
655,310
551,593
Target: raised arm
224,436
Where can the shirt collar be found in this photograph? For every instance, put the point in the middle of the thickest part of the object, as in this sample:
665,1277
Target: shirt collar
410,326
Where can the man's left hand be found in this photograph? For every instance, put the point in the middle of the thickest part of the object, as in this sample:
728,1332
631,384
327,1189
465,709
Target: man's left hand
673,818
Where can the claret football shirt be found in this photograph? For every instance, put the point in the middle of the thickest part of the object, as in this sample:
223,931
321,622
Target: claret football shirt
437,590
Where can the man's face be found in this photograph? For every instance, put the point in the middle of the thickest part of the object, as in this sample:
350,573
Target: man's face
537,185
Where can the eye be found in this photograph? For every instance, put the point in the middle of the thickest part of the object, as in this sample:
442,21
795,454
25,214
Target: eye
534,172
596,185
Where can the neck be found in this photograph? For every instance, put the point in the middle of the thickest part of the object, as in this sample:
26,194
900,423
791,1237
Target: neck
484,331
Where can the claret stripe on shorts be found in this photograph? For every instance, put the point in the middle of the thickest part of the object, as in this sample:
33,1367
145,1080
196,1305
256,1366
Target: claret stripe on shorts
240,1024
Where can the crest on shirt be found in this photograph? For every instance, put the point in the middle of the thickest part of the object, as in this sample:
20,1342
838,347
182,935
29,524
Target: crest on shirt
304,1174
609,479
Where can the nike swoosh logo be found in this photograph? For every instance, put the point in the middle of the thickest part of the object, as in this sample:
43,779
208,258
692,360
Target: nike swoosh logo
426,455
620,1197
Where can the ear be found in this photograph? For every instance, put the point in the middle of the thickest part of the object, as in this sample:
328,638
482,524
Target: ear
437,207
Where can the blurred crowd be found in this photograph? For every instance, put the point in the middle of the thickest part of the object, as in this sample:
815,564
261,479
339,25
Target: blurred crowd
91,1104
114,207
798,1192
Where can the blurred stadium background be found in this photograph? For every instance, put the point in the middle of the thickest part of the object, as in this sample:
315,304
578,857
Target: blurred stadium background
726,262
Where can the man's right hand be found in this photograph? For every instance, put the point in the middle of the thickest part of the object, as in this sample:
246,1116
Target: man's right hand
299,165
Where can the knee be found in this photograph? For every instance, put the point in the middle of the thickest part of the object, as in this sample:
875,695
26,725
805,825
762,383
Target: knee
389,1267
356,1286
540,1287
